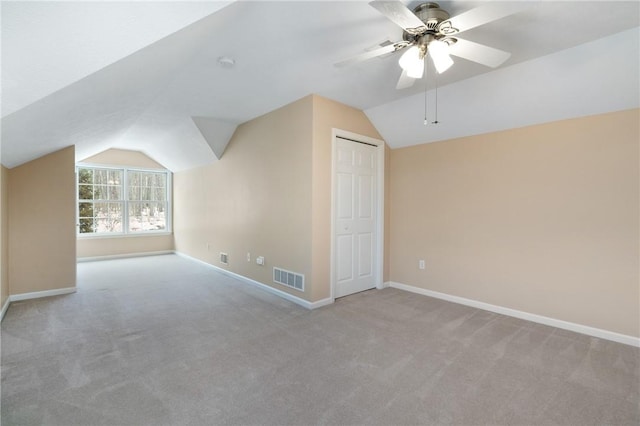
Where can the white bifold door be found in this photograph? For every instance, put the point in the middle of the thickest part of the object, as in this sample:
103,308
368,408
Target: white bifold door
355,210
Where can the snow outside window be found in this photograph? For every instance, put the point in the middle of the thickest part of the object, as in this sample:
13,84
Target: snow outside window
122,201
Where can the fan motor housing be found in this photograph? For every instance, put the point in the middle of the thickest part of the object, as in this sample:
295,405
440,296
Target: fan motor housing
431,15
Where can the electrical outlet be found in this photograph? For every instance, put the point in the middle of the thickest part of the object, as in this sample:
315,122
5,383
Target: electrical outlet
421,263
248,257
260,260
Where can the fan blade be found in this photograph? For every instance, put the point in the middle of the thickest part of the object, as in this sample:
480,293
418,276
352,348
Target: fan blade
372,54
480,53
405,81
398,13
479,16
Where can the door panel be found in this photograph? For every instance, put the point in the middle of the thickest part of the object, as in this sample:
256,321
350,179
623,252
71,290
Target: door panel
345,248
365,197
365,256
355,217
345,195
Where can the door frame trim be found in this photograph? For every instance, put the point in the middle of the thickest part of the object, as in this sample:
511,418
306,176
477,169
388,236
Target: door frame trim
379,227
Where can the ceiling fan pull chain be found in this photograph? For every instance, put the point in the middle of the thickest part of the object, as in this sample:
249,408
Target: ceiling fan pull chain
426,121
436,79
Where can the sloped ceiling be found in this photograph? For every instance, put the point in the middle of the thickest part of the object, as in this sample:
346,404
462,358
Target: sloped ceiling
49,45
592,78
145,75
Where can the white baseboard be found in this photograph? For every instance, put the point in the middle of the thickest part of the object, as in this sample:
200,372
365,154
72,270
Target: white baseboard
4,308
124,256
290,297
39,294
578,328
34,295
318,304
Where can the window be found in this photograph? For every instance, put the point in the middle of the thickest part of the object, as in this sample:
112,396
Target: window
122,201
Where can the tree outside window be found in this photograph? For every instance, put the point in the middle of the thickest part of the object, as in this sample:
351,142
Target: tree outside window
122,201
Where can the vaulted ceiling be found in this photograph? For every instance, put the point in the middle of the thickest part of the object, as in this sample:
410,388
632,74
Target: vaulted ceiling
146,75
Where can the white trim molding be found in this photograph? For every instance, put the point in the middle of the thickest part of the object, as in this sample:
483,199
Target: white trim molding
317,304
39,294
290,297
5,307
34,295
124,256
124,200
540,319
378,254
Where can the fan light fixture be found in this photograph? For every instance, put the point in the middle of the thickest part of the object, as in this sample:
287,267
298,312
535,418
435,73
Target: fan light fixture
439,51
412,61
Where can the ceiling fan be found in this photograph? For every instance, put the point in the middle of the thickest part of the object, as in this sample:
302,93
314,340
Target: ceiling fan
429,30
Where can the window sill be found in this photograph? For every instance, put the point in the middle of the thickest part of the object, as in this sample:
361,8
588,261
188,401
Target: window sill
103,236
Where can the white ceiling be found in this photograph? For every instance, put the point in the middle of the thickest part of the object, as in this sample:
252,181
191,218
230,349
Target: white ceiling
144,75
49,45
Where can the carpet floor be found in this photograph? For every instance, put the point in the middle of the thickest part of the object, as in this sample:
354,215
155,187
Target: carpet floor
167,341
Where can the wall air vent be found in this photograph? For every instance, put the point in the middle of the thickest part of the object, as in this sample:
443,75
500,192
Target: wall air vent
224,258
288,278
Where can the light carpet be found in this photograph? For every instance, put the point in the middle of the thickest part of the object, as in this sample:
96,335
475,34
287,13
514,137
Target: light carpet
167,341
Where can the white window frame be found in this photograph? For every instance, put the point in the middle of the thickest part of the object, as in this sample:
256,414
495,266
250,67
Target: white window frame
125,200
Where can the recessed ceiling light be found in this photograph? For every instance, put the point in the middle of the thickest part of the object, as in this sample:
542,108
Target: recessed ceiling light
226,62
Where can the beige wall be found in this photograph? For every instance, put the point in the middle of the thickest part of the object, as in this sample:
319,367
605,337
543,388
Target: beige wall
42,228
269,194
328,114
110,246
542,219
123,157
4,236
256,198
89,247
